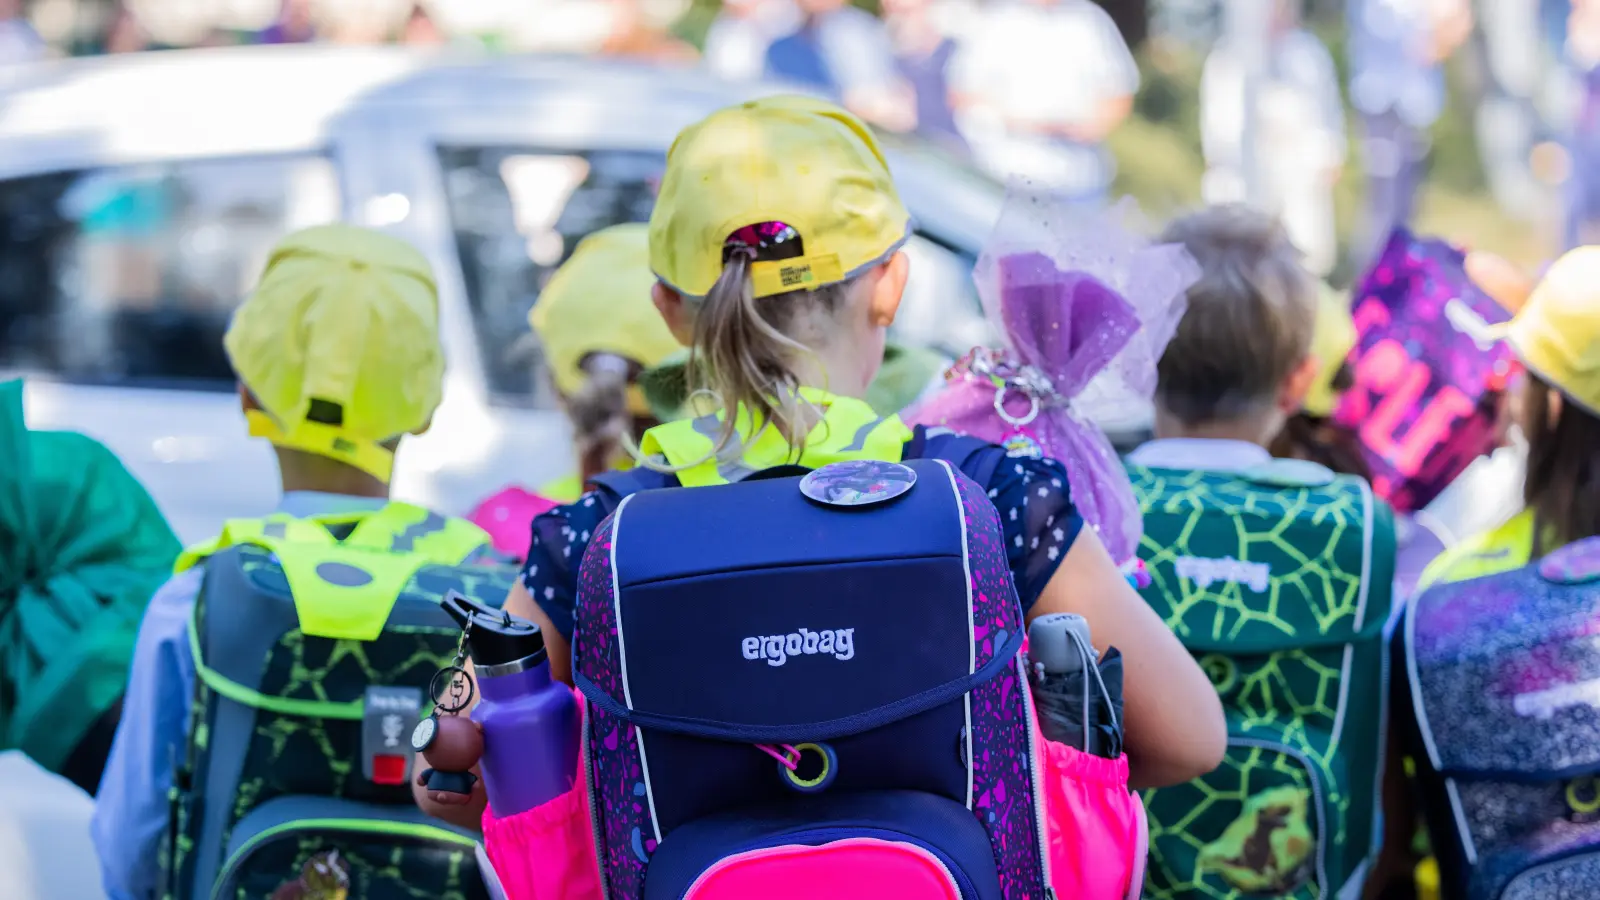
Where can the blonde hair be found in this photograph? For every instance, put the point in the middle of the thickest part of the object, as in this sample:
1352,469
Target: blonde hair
745,352
1250,318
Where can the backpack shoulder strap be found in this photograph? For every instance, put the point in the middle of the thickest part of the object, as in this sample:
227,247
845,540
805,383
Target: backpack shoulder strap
977,459
613,487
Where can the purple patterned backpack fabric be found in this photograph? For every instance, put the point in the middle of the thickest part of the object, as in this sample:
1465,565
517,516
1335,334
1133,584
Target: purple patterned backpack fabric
1504,673
772,672
1424,394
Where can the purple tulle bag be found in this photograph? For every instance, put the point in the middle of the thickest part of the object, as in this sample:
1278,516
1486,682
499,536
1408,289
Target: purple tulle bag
1086,306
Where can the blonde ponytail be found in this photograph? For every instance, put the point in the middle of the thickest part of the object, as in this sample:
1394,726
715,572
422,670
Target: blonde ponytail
744,356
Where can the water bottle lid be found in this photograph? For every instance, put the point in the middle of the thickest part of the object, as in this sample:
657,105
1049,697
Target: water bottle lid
495,637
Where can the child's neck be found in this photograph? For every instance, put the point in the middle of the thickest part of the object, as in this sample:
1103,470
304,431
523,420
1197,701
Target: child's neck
1249,431
307,472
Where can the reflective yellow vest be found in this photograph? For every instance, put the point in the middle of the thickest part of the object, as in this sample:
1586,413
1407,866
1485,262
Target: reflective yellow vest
849,430
346,589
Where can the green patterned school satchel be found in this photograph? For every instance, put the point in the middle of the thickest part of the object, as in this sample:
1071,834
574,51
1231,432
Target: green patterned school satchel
1278,581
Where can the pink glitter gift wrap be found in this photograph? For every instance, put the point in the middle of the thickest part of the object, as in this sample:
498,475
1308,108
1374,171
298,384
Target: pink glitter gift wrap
1424,398
1086,305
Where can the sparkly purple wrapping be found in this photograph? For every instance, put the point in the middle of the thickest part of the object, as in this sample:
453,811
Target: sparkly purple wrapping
1091,305
1423,398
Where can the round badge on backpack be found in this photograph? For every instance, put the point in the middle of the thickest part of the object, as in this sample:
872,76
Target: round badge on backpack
858,482
1573,564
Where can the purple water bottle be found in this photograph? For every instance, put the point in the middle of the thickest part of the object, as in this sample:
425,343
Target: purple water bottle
530,722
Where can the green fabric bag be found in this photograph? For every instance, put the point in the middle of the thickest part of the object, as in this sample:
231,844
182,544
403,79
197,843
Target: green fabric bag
82,548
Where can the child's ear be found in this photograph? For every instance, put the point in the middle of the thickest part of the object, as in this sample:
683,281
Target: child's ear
672,308
889,289
1292,396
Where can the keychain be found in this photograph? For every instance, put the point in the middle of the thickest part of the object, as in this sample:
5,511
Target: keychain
450,742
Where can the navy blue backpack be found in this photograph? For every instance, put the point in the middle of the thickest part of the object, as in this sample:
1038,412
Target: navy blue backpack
787,697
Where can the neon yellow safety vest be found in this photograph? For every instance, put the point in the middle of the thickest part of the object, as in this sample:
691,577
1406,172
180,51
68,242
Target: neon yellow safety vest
346,589
1502,549
849,430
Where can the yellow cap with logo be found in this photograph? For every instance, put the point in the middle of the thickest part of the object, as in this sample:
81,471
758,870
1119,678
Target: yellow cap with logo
1331,343
1556,330
790,159
599,302
339,345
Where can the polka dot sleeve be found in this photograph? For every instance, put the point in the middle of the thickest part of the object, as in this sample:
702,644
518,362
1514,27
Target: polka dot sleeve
555,552
1038,518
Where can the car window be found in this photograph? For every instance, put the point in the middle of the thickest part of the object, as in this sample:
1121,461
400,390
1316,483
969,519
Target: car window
127,275
518,213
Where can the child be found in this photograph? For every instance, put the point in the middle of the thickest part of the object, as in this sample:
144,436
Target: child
1276,573
735,229
338,357
1558,410
598,331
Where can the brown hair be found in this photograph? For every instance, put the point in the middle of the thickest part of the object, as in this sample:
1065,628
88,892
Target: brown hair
602,424
1320,439
745,350
1562,485
1249,321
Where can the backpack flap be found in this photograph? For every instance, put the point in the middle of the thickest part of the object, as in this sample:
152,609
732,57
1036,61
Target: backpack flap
816,622
1264,562
1505,670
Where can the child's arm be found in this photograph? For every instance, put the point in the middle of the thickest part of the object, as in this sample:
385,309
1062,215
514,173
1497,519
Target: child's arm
1174,724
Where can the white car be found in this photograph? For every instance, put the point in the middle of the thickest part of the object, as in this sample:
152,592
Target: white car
139,195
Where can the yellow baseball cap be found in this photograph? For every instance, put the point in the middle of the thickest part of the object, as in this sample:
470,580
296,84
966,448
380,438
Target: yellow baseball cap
599,302
1555,331
790,159
339,344
1331,343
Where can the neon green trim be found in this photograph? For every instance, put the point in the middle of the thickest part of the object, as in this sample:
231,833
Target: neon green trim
849,429
359,826
238,693
345,590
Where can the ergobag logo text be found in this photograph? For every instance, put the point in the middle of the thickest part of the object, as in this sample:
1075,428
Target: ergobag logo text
777,648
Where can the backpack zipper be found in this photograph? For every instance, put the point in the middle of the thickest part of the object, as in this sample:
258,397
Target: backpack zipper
1039,818
594,812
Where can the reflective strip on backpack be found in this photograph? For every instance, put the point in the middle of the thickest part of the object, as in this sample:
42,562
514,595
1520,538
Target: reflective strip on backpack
849,429
346,589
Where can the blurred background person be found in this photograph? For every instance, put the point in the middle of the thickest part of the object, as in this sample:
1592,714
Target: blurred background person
635,35
294,25
1038,87
19,42
737,41
1396,53
420,30
846,52
1299,133
923,52
1582,200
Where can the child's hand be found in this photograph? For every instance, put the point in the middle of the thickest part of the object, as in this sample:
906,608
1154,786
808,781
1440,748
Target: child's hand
1500,279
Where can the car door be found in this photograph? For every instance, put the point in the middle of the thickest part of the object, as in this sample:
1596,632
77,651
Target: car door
116,285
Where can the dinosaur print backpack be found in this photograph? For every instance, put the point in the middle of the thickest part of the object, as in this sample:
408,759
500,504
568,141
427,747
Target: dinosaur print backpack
1278,581
315,641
